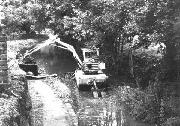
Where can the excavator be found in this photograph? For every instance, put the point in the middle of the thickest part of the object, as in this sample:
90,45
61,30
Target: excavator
89,71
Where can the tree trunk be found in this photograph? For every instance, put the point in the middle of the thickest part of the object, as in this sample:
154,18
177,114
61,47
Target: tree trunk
170,63
131,65
121,52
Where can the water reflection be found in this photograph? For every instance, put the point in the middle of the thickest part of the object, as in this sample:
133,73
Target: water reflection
98,112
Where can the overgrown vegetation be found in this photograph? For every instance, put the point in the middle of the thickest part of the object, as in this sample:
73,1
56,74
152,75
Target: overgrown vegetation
15,103
109,25
8,111
122,29
154,105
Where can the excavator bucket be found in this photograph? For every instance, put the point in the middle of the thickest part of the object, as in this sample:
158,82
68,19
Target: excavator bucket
30,68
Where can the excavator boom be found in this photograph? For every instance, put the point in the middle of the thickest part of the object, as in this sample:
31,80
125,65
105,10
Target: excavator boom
56,42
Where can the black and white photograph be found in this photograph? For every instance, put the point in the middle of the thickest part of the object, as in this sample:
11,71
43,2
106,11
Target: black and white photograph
89,62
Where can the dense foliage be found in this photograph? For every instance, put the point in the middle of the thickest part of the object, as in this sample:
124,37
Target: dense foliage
153,105
113,26
122,29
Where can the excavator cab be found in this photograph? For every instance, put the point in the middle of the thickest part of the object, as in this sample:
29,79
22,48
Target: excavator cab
90,55
91,63
92,69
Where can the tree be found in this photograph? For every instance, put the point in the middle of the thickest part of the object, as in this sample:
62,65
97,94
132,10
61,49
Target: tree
110,25
19,16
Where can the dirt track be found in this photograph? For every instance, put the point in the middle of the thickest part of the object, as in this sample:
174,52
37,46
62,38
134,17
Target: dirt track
47,109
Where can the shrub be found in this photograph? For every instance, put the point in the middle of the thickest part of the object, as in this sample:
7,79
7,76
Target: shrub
150,105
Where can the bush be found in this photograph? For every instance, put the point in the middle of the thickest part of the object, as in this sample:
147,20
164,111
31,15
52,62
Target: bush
150,105
8,111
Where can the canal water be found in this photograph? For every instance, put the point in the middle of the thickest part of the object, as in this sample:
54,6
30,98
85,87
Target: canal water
90,111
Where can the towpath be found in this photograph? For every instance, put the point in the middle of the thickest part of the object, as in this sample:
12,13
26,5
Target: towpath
47,108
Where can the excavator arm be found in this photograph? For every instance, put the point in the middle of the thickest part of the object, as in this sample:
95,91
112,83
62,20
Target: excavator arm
56,42
68,47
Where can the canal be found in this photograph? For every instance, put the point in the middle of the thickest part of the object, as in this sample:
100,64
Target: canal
89,111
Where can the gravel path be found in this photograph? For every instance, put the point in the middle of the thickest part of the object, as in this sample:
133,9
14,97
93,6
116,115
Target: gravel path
47,109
